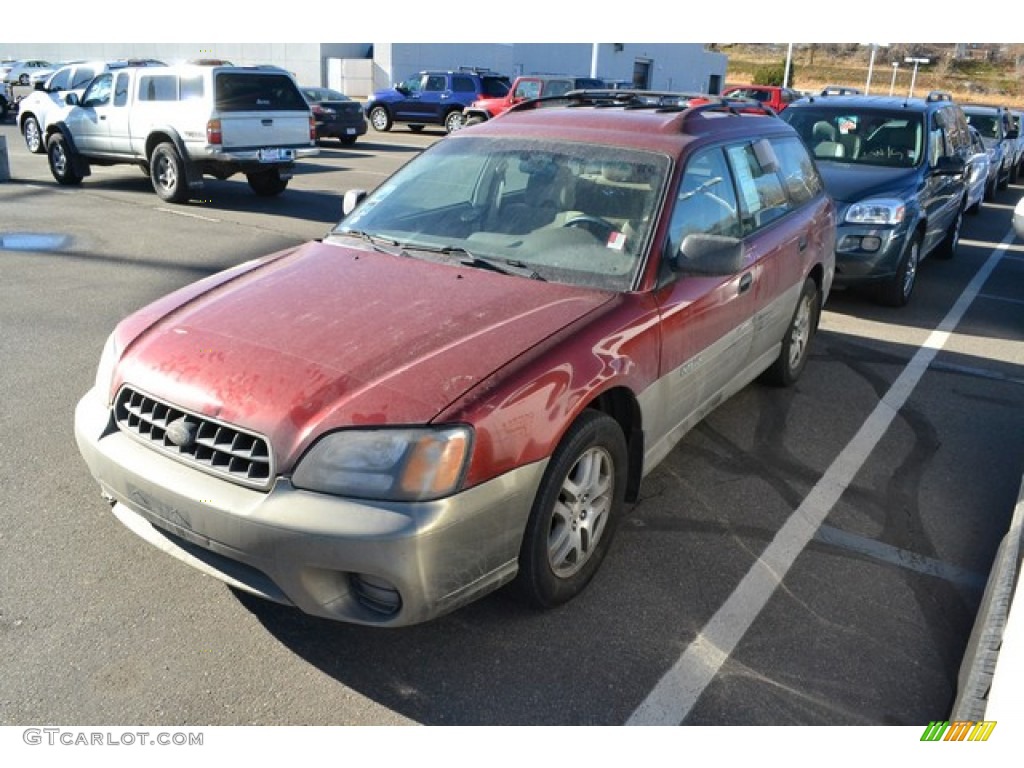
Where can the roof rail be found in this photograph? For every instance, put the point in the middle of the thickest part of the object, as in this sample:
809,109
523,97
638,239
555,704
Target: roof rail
641,99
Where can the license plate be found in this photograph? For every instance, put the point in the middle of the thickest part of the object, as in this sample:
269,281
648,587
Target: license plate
275,155
350,131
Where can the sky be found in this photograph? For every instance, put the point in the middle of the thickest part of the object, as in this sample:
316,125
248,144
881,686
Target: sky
750,21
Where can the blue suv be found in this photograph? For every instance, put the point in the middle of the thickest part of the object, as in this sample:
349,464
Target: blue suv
897,170
434,98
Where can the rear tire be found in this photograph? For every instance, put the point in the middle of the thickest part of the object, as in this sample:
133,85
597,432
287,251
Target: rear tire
947,248
167,174
267,183
797,342
453,121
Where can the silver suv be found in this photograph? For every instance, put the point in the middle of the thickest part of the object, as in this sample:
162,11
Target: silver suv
181,123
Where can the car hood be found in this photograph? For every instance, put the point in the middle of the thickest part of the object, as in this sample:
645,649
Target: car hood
328,336
847,183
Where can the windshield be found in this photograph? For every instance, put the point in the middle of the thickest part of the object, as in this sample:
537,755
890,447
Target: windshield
860,137
573,213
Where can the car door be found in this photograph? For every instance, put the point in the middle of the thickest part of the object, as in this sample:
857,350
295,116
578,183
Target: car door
118,135
421,102
706,319
942,193
88,121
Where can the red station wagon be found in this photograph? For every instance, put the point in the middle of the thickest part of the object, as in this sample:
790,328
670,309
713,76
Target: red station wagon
462,384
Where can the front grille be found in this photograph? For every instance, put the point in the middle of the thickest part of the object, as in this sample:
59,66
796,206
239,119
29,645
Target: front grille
200,441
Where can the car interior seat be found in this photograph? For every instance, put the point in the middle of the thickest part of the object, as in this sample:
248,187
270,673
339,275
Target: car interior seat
823,137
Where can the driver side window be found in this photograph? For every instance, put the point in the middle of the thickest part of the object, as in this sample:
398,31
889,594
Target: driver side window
706,201
98,92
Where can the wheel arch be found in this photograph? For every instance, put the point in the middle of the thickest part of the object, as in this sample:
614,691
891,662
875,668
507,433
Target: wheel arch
81,164
165,134
621,404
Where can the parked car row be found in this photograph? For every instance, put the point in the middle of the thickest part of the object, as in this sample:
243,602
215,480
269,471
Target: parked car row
898,170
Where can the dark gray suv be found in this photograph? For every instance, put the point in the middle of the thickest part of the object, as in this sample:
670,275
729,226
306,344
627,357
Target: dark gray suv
896,169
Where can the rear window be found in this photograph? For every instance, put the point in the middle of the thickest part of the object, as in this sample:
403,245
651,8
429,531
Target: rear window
248,91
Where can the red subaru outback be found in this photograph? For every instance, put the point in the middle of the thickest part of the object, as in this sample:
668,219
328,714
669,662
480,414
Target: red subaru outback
462,384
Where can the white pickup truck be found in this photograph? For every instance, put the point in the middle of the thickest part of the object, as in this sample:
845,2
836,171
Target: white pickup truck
185,122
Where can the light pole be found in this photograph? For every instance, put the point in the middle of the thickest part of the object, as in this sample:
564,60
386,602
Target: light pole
913,78
871,63
895,69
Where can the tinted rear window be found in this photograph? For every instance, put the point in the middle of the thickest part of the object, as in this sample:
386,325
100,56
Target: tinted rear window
248,91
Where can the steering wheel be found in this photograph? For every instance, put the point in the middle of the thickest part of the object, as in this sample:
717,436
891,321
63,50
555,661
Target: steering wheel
595,225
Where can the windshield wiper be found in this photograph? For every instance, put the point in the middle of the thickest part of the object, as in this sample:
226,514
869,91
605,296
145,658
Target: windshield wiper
504,266
377,241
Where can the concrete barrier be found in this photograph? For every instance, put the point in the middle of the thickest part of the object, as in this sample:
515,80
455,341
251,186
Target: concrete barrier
5,163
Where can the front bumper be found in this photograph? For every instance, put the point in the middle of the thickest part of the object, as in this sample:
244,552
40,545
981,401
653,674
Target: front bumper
867,254
384,564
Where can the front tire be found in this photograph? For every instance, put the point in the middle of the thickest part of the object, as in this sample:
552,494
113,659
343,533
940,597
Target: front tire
947,248
796,344
380,119
62,161
267,183
574,516
33,135
896,292
167,173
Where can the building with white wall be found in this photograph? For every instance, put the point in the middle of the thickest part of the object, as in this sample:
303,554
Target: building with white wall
360,68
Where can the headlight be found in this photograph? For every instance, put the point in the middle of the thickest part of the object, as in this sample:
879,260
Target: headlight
403,464
883,210
105,370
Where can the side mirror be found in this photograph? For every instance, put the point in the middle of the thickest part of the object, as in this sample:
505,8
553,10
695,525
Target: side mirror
352,198
949,165
1018,218
71,100
1013,133
703,254
401,89
40,85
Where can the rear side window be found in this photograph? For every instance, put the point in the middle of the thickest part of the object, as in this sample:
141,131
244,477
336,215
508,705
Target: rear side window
462,84
158,88
762,196
799,174
248,91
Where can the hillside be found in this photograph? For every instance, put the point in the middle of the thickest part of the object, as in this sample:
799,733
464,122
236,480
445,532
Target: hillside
971,72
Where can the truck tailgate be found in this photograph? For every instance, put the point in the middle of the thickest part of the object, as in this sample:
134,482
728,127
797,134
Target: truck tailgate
241,130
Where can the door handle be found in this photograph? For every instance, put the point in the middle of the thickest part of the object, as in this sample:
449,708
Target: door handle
802,243
745,282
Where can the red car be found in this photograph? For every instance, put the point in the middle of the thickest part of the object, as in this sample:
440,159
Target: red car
774,96
524,88
463,383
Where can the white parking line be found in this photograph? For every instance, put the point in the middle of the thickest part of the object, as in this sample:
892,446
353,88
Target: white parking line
677,692
188,215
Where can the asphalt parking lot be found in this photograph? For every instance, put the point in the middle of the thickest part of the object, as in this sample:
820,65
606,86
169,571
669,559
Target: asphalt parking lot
814,556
